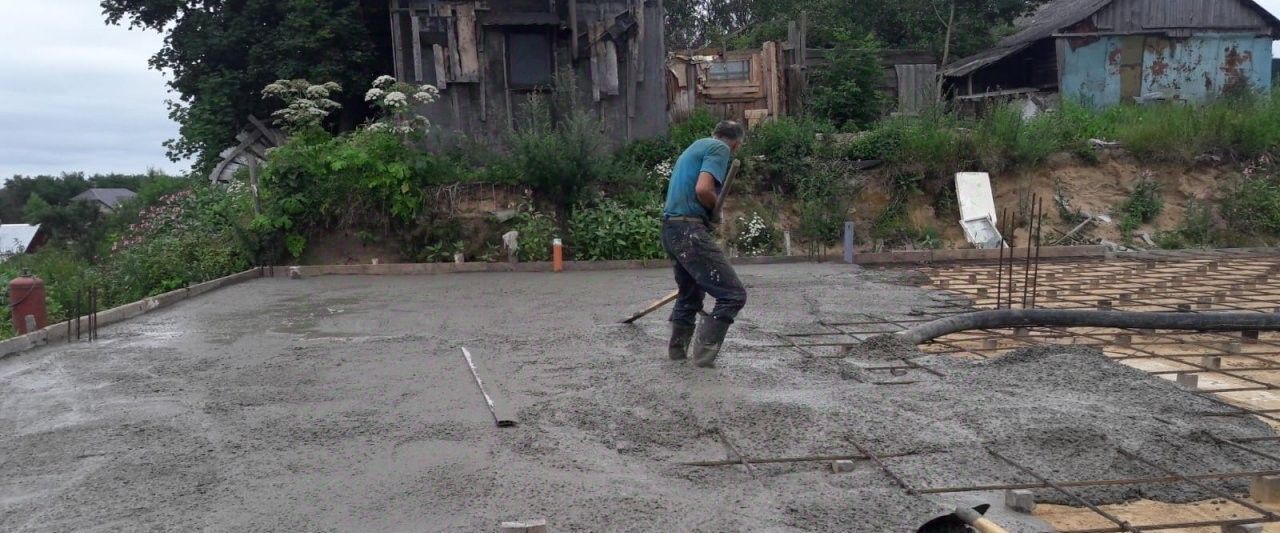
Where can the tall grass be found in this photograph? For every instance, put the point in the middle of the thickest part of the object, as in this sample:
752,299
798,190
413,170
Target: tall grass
939,143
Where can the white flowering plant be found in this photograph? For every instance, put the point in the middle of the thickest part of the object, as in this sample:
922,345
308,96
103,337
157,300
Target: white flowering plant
755,235
396,100
306,104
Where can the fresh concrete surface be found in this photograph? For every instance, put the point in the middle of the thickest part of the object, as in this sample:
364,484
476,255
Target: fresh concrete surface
344,404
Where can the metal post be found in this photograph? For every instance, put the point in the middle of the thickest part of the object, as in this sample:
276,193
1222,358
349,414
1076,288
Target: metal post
848,242
1004,215
1026,268
1035,277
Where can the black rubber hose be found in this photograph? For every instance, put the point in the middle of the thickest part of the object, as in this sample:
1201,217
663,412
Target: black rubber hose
1009,318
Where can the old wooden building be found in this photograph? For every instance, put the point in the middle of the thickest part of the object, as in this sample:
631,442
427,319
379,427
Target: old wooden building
1104,52
488,57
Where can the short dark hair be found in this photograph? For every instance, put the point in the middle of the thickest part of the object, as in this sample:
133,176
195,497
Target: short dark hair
730,131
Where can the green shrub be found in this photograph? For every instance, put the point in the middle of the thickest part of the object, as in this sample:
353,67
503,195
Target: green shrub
846,90
559,159
537,230
699,125
878,143
1252,206
609,231
782,150
1143,205
1195,230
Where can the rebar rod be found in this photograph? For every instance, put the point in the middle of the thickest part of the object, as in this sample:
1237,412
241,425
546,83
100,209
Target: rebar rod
1026,268
1212,490
1004,215
883,466
1125,526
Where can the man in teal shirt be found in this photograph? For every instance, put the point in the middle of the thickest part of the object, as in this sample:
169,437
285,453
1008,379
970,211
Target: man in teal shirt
700,267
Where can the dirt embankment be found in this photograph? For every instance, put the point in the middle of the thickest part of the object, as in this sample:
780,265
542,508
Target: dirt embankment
1099,188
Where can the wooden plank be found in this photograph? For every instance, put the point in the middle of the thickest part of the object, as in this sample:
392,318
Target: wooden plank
397,47
573,28
769,53
417,49
597,50
610,60
468,55
503,415
484,101
455,65
506,85
639,40
442,75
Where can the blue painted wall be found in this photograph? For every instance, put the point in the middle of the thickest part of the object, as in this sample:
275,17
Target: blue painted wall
1190,69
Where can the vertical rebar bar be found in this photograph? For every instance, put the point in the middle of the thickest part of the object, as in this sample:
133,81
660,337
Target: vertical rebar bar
1026,267
1008,293
93,322
1004,215
76,307
1035,277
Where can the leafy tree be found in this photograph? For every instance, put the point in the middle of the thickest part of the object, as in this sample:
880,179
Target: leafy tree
221,53
847,88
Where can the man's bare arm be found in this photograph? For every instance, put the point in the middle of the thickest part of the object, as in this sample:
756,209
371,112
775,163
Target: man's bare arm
706,190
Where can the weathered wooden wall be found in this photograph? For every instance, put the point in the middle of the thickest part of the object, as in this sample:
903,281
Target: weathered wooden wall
463,49
752,100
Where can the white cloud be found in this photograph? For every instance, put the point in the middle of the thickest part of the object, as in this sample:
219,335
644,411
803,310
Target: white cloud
76,94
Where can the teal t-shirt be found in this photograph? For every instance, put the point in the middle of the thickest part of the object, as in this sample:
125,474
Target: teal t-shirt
704,155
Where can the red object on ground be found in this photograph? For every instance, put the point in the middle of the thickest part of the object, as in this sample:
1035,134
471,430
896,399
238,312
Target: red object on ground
26,298
557,255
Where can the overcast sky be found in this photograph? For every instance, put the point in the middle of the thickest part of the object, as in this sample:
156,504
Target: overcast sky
77,95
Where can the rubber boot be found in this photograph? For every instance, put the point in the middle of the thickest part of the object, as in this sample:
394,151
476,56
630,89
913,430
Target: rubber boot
681,335
707,345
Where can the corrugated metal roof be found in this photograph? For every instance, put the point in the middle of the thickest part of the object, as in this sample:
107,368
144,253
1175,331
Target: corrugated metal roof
1043,23
1046,21
110,197
16,238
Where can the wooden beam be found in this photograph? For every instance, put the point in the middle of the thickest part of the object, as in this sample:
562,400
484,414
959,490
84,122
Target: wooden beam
573,28
610,60
455,64
442,75
397,47
597,50
468,55
417,49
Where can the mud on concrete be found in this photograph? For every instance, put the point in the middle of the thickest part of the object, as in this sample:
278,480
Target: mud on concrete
344,404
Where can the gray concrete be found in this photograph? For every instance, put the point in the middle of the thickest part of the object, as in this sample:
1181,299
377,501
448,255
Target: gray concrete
344,404
1022,501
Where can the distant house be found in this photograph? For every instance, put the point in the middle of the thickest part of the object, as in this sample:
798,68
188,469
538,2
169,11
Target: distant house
16,239
489,58
107,200
1106,52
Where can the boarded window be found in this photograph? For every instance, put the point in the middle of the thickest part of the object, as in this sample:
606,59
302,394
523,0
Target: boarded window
734,70
529,62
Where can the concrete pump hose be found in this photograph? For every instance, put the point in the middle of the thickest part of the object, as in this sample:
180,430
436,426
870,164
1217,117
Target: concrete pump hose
1010,318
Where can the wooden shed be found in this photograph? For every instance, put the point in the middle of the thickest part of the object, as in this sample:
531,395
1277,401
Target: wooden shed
489,57
1106,52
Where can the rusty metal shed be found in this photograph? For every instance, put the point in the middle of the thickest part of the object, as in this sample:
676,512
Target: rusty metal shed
1104,52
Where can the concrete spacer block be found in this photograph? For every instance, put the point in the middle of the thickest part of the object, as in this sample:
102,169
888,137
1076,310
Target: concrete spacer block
1234,347
990,344
1124,339
524,526
295,273
973,278
1211,361
1190,381
1022,501
1243,528
1184,308
843,466
1104,305
1249,336
1021,332
1265,489
982,292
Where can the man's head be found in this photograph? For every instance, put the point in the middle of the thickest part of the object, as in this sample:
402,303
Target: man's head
730,133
